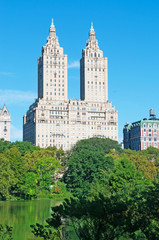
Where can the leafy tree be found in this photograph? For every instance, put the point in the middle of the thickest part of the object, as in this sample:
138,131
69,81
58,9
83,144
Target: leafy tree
32,158
7,178
83,168
25,147
119,216
86,160
30,186
48,233
125,175
17,166
143,160
45,169
98,145
142,163
5,232
60,192
152,154
4,145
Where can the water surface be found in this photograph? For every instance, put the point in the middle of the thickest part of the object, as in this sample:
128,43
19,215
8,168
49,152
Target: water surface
21,214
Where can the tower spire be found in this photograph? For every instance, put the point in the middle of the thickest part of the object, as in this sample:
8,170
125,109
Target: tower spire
92,32
52,23
52,30
92,29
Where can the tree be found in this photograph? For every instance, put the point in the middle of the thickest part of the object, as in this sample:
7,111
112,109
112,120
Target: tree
6,232
17,166
7,178
83,168
125,175
86,160
30,186
32,158
4,145
117,217
98,145
145,161
25,147
45,169
142,163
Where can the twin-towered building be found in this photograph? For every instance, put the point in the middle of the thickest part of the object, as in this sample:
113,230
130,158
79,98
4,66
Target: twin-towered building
55,120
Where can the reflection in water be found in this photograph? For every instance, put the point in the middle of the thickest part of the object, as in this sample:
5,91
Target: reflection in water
21,214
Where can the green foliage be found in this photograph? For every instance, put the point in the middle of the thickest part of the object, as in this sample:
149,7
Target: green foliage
30,188
22,146
59,191
27,171
125,175
119,216
4,145
5,232
7,178
17,166
48,233
86,160
45,170
144,161
83,168
97,145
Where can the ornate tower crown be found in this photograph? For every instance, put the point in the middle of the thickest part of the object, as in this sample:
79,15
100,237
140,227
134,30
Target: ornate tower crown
52,30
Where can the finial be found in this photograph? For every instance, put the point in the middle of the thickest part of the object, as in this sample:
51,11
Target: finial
52,23
92,26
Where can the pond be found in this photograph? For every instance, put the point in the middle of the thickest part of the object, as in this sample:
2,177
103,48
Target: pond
21,214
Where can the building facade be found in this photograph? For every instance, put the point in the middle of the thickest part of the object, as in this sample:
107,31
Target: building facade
5,121
93,72
54,120
142,134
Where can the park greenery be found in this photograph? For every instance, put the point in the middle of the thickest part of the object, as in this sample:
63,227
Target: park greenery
28,172
106,193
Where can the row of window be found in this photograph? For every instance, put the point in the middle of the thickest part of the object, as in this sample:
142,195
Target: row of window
47,93
55,94
55,58
92,69
150,125
150,139
54,85
95,83
95,55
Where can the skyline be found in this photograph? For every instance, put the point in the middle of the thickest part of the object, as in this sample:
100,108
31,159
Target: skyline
132,58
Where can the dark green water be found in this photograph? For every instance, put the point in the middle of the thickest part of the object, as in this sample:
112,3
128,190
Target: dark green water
21,214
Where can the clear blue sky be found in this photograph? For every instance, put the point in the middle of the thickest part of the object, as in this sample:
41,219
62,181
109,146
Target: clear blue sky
128,34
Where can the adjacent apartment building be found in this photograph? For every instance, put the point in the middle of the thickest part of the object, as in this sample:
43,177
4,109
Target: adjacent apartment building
142,134
55,120
5,121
